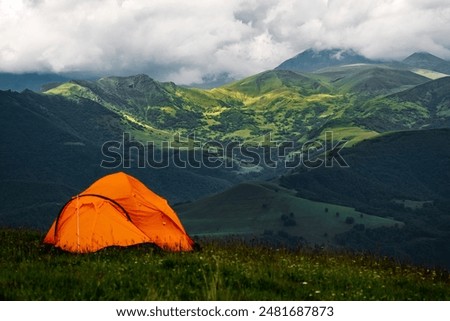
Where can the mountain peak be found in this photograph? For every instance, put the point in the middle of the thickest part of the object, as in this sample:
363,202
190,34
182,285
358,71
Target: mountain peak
423,56
334,53
313,59
134,78
141,82
425,60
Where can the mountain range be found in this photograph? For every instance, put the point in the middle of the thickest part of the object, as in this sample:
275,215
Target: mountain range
389,119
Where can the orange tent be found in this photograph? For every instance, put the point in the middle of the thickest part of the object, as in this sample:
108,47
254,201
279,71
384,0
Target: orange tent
117,210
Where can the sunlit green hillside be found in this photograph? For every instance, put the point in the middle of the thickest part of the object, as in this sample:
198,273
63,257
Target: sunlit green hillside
288,105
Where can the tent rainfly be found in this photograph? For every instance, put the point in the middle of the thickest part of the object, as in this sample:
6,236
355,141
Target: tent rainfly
117,210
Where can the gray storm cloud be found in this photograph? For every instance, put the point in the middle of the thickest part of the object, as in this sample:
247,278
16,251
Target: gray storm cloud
185,41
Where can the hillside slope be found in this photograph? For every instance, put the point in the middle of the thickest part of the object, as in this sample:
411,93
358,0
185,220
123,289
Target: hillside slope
424,106
426,60
51,149
270,212
371,80
47,153
402,175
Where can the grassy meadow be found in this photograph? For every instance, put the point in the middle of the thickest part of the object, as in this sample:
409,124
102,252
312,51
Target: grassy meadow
219,271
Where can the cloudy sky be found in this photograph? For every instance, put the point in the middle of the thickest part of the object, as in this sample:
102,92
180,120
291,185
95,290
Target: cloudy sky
186,41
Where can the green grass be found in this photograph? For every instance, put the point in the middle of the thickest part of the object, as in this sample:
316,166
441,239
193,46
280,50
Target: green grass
227,271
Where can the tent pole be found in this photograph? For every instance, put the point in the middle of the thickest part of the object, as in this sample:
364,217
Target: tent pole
78,226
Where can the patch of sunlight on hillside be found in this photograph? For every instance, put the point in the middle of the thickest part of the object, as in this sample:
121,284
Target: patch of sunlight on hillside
352,135
429,73
242,133
149,133
224,93
215,111
70,89
320,97
169,110
443,111
202,98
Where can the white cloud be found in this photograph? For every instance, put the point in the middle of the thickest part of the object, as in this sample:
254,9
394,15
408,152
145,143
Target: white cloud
187,40
185,76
